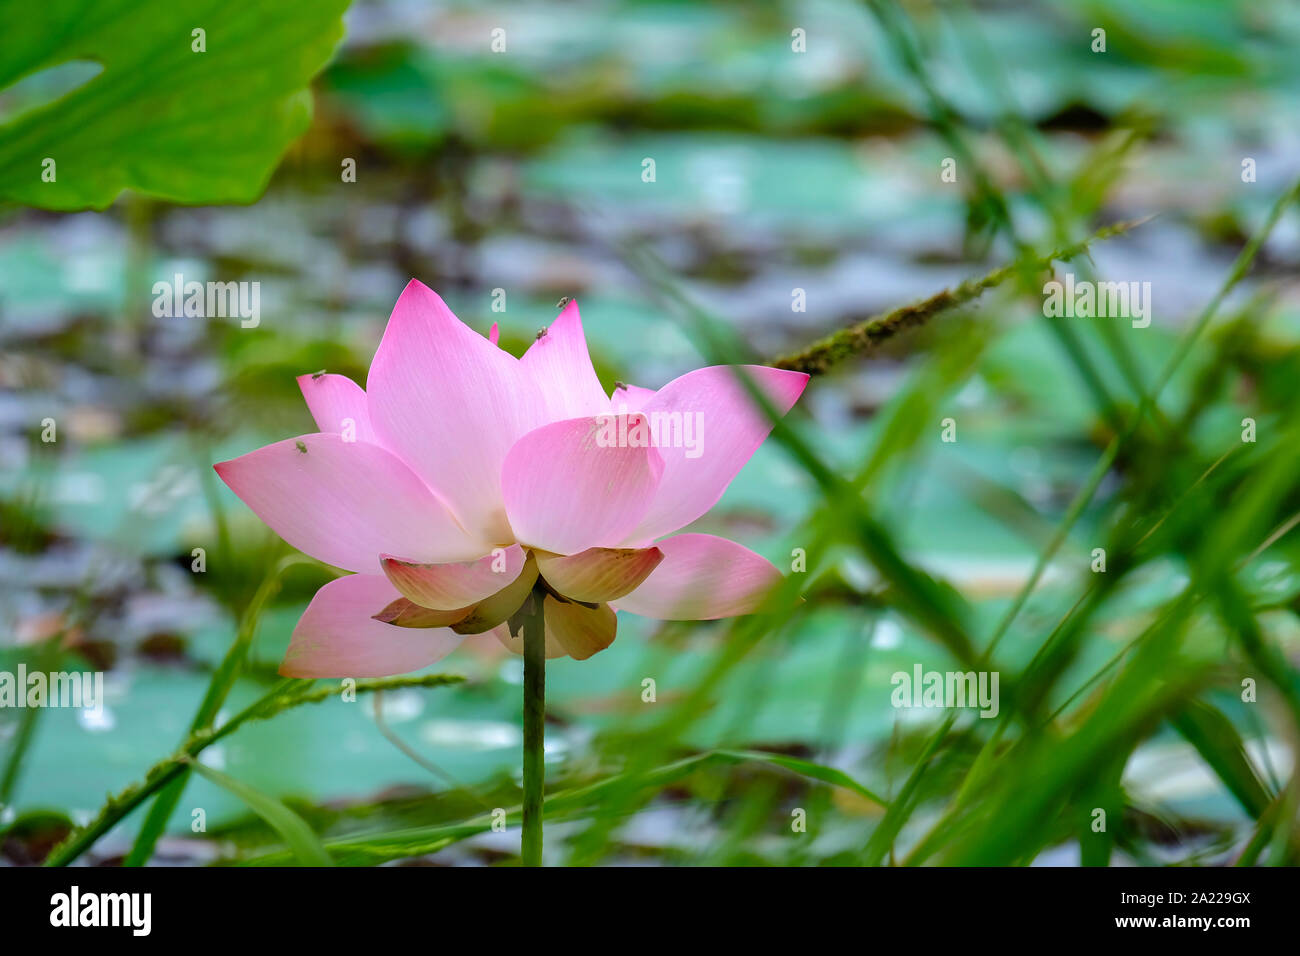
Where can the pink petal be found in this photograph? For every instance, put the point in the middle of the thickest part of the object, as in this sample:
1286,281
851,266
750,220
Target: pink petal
451,404
446,587
707,427
494,333
338,637
598,574
345,503
570,485
405,614
702,577
498,608
337,402
561,366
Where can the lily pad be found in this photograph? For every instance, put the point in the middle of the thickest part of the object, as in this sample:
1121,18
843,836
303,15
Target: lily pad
195,103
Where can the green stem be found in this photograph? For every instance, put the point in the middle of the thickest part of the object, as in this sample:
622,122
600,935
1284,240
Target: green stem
869,334
534,625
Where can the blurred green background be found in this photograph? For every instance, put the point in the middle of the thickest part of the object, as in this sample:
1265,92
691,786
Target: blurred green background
775,170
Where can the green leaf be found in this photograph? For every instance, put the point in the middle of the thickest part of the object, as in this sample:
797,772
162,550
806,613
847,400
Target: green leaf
161,118
288,824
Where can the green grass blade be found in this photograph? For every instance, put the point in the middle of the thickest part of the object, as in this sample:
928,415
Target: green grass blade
1215,739
805,768
293,828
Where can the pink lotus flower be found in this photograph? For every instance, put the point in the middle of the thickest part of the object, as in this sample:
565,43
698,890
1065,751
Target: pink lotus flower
462,478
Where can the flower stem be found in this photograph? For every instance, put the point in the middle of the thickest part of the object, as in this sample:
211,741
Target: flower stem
534,626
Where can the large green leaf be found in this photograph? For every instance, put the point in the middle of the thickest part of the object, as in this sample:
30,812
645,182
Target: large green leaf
194,127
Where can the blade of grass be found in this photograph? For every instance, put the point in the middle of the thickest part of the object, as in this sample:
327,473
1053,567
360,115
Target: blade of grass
1212,734
296,834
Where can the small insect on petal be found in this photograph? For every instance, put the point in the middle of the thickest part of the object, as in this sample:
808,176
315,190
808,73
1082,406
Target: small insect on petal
301,447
